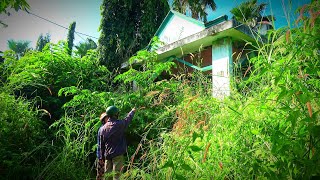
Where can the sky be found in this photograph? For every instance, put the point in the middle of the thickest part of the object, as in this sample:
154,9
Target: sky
86,13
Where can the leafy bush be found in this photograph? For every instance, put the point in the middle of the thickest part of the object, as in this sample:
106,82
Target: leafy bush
22,137
41,75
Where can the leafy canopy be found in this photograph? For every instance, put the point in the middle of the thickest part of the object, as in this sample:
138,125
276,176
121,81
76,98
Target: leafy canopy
126,27
197,8
20,47
248,12
42,41
70,38
83,47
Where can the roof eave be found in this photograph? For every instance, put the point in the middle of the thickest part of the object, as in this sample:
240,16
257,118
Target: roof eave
205,38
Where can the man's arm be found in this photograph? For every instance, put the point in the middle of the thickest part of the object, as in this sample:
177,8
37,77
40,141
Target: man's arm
129,117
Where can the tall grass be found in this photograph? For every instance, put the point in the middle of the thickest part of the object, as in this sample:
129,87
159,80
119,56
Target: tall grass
271,133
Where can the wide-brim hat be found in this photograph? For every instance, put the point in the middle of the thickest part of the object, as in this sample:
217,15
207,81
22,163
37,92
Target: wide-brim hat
103,115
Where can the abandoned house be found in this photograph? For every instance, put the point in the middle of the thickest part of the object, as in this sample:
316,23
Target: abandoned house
213,47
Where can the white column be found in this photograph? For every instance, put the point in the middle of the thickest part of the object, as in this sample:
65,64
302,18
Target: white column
221,67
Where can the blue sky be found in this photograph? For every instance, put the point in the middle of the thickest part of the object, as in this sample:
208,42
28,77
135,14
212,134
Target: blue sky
275,7
86,13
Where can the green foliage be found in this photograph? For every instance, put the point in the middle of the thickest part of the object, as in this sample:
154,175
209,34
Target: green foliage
179,131
268,134
248,12
42,41
39,76
126,27
22,133
16,4
19,47
151,69
76,131
78,127
84,47
70,38
42,74
197,8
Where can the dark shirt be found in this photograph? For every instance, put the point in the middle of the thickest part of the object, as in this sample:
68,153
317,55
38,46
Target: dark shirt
111,137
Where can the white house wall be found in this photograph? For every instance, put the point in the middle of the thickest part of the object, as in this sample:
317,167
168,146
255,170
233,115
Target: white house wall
178,28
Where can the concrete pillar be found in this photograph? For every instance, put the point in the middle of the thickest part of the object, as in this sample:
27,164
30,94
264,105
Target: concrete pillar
221,67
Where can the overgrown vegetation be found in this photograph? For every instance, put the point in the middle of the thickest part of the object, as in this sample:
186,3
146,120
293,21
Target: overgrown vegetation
42,41
126,27
267,129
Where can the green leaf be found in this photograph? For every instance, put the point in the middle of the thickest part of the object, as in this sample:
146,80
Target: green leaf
94,147
180,177
190,154
195,136
255,131
302,131
282,94
304,98
168,164
315,131
195,148
186,167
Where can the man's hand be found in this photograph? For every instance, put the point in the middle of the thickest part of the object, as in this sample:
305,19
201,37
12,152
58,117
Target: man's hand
134,109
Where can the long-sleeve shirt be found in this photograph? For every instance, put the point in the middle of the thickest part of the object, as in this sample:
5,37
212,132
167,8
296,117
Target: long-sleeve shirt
111,137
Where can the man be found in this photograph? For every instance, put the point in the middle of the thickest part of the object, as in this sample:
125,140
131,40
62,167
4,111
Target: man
111,142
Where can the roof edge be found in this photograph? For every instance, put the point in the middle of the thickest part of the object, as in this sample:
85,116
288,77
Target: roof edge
219,30
216,21
187,18
190,19
165,20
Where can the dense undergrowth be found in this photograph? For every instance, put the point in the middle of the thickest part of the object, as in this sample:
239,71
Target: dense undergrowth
267,129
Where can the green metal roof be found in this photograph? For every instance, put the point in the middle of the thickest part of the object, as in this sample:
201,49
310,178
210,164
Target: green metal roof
216,21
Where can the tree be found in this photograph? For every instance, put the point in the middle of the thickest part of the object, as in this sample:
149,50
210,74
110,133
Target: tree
16,4
248,12
83,47
42,41
196,7
19,47
126,27
70,39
